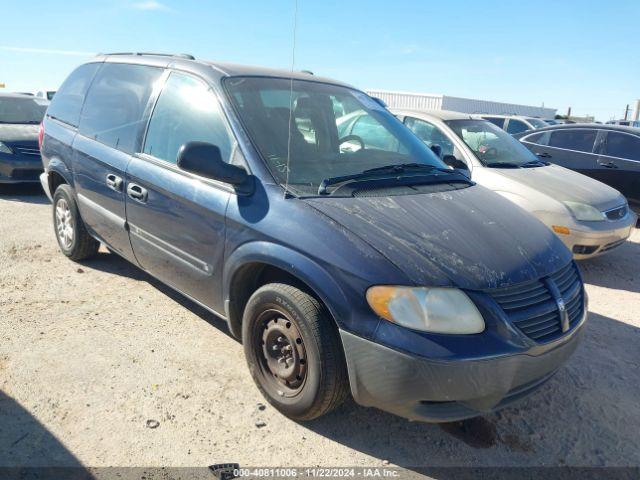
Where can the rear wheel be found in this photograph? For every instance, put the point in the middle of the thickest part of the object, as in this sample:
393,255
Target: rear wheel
73,238
293,352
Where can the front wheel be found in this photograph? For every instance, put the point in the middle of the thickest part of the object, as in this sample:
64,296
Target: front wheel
293,352
73,238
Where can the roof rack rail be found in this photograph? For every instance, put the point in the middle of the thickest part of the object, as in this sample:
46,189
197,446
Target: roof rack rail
155,54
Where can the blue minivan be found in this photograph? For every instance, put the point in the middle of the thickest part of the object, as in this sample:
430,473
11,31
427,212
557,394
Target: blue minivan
347,265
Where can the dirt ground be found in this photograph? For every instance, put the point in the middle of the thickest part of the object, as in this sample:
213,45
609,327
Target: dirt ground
100,365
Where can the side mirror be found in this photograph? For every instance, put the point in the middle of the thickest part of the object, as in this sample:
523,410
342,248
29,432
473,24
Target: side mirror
380,102
205,159
453,162
437,149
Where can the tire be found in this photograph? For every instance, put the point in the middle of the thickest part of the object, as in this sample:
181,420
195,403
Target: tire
72,236
312,380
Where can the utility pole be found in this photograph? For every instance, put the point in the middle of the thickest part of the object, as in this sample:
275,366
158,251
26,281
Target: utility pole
636,116
626,112
568,112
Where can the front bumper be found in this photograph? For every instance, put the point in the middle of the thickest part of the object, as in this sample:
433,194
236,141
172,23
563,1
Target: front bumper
586,242
422,389
18,168
590,239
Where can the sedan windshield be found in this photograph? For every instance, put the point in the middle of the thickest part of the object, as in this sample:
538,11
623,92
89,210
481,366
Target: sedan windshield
491,145
27,110
309,132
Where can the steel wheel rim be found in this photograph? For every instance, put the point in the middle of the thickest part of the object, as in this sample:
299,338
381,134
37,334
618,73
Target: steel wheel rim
281,353
64,223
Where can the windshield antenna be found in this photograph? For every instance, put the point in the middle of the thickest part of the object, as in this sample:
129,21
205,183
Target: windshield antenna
293,62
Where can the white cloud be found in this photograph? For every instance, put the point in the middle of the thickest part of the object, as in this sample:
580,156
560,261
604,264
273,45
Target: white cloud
150,5
46,51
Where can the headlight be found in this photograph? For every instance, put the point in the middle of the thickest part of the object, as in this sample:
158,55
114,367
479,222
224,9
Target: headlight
4,148
438,310
584,212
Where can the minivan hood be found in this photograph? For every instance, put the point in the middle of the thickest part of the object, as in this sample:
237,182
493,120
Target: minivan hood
470,238
13,132
563,184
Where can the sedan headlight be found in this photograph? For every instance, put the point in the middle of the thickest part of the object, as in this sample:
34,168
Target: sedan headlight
438,310
4,148
584,212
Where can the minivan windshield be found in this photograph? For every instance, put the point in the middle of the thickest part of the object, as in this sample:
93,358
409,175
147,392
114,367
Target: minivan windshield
491,145
27,110
334,131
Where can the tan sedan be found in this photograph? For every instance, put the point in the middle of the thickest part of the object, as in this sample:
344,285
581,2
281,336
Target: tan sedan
590,217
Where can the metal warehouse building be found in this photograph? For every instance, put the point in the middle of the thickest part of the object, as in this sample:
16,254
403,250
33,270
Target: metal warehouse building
429,101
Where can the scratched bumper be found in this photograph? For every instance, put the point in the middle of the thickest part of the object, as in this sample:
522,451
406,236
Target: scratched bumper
421,389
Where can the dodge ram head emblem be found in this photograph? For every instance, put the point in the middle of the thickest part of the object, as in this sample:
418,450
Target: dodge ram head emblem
564,315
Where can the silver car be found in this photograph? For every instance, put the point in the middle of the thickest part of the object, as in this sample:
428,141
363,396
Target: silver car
590,217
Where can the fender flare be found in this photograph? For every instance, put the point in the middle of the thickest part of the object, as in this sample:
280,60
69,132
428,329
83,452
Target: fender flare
58,166
290,261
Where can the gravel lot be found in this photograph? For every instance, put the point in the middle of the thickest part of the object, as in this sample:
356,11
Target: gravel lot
93,356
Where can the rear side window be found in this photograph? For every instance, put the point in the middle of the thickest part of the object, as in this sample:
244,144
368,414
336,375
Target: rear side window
187,111
496,121
541,138
622,145
115,104
516,126
67,103
573,139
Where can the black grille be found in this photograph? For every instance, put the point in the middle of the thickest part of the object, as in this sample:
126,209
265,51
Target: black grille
27,151
617,213
22,174
533,309
612,245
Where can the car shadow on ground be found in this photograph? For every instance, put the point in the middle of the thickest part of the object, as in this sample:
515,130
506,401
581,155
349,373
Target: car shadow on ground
115,264
614,269
29,450
25,193
579,406
563,423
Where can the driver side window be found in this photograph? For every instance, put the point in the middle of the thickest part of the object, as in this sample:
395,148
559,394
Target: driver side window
186,111
430,134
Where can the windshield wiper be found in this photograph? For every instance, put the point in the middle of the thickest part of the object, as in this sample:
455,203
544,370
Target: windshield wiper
403,167
373,173
535,163
502,165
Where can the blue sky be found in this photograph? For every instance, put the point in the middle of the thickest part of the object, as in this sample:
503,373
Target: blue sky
575,53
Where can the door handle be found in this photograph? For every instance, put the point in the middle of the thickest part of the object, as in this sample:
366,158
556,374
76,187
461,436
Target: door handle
608,165
543,155
114,182
136,192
